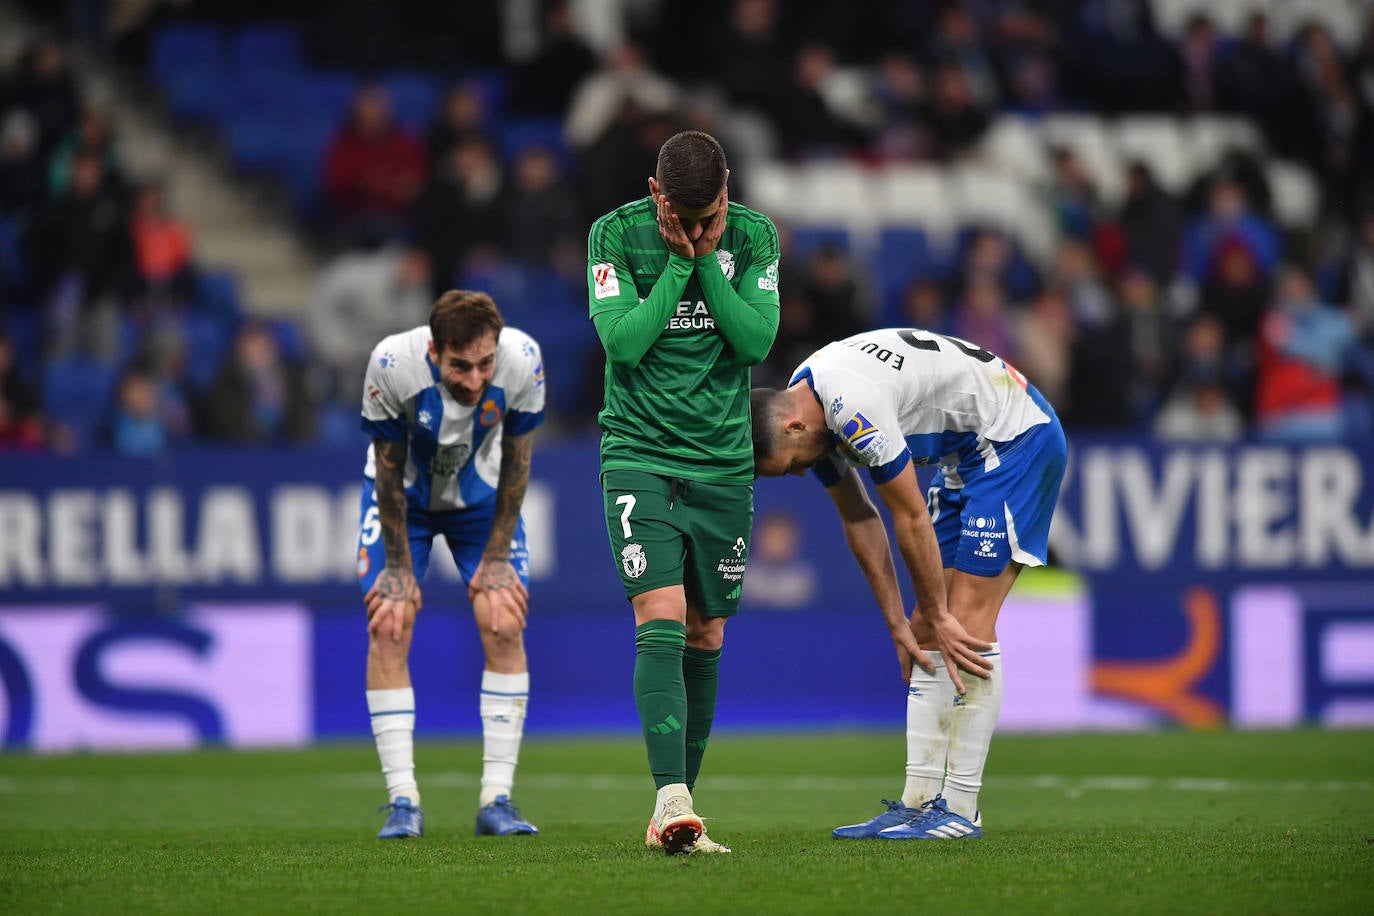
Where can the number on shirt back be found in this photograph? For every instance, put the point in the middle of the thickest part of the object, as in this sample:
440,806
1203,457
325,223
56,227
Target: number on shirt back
963,346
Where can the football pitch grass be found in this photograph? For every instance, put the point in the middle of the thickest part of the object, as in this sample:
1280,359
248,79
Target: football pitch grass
1211,822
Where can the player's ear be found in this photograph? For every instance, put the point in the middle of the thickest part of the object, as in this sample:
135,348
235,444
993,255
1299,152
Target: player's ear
653,188
433,353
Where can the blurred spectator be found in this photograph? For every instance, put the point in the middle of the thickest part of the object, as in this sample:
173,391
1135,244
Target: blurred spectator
462,117
1199,411
1035,88
780,578
1077,276
752,55
20,426
1236,291
92,136
1151,224
957,118
359,298
544,85
1352,278
43,86
1199,54
624,76
957,45
373,170
1256,80
543,225
1044,345
82,258
21,166
923,305
1204,360
1153,337
1303,345
982,317
1229,217
162,246
135,425
808,122
1073,196
259,397
617,166
461,209
993,253
839,300
165,354
899,91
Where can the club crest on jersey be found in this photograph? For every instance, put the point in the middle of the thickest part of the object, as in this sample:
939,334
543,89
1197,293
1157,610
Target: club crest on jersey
727,263
491,413
863,437
634,560
604,281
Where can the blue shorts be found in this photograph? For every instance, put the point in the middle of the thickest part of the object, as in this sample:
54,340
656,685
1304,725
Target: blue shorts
1003,515
465,530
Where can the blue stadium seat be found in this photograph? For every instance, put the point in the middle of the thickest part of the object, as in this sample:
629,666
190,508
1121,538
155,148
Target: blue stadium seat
804,240
903,255
325,94
77,394
198,95
515,135
263,48
208,338
217,295
181,49
414,97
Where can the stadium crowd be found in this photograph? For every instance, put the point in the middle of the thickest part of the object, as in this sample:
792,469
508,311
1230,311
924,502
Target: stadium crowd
1193,314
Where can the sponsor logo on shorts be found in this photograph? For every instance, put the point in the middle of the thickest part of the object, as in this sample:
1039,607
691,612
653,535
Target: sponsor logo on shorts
634,561
985,549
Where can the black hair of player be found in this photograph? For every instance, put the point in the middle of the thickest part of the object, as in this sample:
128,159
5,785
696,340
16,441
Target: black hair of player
691,168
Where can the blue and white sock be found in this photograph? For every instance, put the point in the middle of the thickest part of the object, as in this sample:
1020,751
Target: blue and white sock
975,719
393,728
505,698
929,701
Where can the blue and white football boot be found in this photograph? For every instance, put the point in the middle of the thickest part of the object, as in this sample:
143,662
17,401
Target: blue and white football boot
404,820
896,813
501,818
936,822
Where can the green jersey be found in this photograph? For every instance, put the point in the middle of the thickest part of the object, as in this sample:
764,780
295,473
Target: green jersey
680,335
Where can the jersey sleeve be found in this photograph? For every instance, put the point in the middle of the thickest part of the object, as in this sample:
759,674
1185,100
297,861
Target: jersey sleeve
526,409
628,327
759,284
383,415
869,434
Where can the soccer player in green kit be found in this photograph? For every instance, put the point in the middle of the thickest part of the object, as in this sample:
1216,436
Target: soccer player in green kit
683,286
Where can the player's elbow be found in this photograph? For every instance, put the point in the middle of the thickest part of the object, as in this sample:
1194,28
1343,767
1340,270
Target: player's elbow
623,357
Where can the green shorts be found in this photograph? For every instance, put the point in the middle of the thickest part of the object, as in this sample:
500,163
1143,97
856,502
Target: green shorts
669,531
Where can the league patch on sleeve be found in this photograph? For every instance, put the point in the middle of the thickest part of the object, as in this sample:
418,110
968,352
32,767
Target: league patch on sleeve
605,280
864,438
769,280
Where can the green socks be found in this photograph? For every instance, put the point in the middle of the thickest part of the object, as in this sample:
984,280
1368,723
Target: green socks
661,698
700,669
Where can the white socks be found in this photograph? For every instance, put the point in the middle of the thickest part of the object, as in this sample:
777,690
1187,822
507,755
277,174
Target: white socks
929,702
975,718
503,703
393,727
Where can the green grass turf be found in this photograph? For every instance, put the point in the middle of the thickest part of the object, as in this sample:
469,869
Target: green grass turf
1173,822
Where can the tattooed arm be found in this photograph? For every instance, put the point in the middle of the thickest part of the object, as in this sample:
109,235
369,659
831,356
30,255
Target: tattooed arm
495,575
395,596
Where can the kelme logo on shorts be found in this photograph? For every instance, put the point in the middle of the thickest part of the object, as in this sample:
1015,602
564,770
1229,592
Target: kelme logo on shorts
634,560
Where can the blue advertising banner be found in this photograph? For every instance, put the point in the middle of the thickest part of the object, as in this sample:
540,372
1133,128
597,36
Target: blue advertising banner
212,597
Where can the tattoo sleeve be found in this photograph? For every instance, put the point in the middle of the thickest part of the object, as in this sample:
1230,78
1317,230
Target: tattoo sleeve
391,500
510,494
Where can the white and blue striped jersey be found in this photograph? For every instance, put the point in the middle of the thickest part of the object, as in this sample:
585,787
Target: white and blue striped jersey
900,395
454,455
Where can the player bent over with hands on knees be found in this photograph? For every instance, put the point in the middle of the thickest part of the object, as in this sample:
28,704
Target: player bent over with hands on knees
888,400
683,292
451,408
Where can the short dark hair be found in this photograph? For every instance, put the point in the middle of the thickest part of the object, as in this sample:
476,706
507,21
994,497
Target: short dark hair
765,404
461,316
691,168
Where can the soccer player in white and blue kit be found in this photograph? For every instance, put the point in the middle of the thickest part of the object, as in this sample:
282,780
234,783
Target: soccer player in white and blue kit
451,408
889,400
